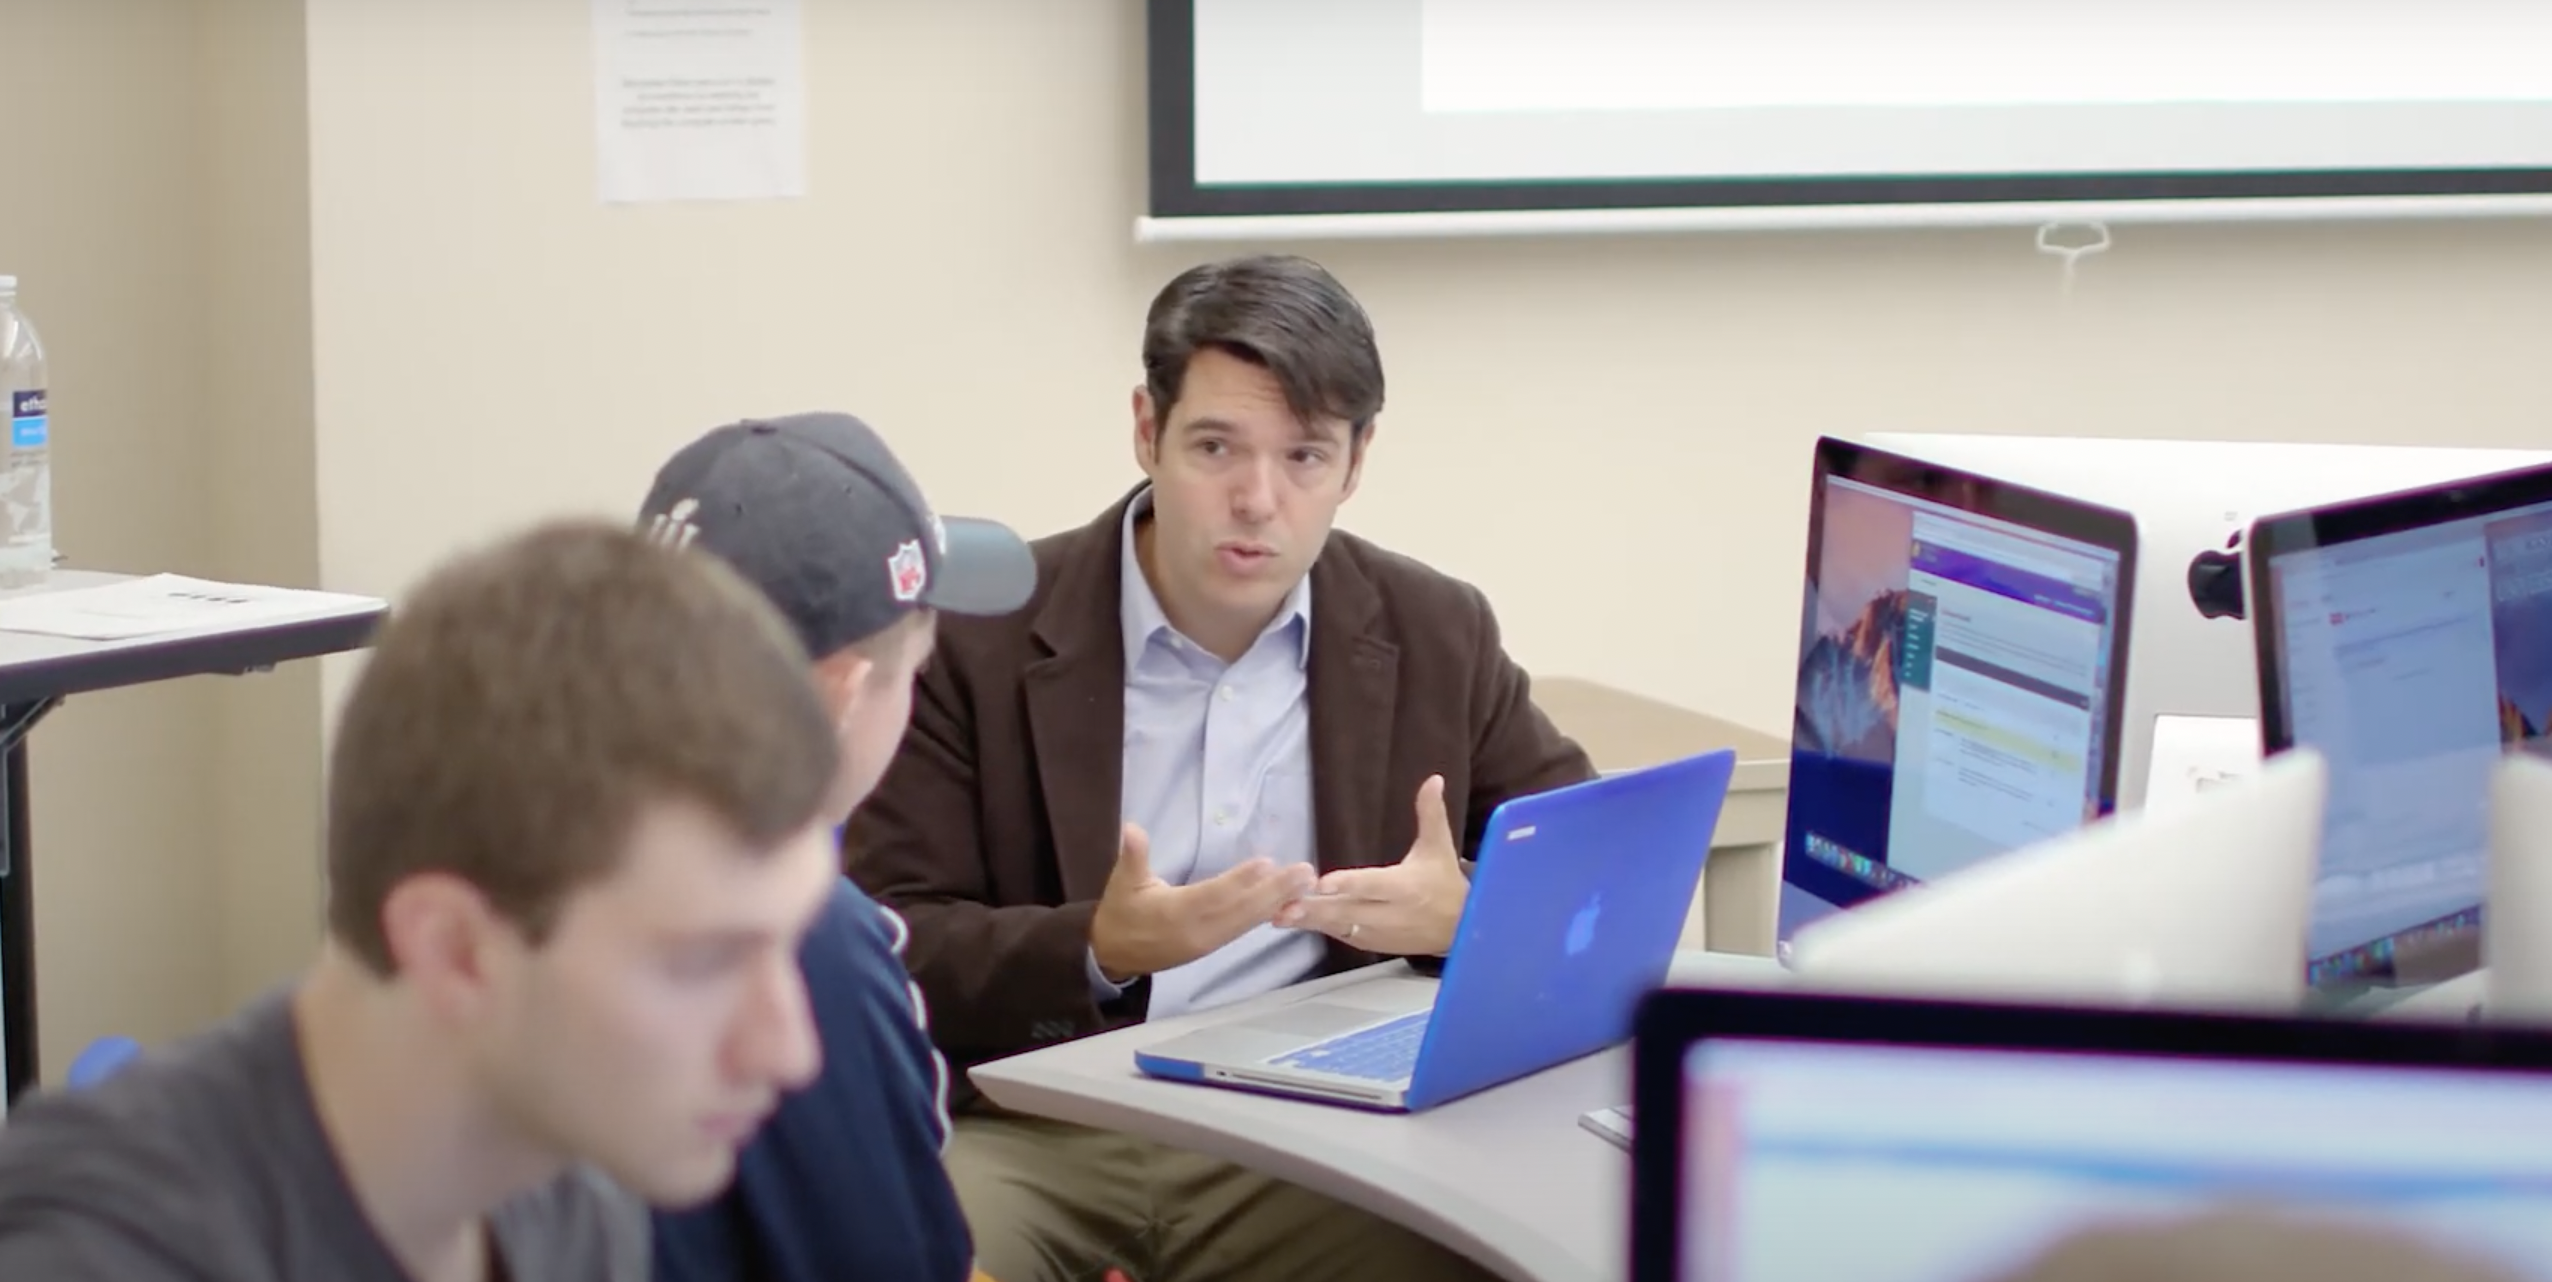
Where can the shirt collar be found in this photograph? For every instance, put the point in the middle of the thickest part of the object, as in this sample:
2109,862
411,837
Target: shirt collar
1141,614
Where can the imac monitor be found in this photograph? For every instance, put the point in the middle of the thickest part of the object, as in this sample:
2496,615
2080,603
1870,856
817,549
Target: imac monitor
1961,664
1786,1135
2192,710
2408,638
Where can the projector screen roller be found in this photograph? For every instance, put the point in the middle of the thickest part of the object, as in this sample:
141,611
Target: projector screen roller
1796,110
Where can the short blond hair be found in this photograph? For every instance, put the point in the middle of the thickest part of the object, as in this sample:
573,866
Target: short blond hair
527,702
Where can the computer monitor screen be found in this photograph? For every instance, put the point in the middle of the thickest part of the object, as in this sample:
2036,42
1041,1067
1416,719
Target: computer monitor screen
1961,671
2192,711
1964,1164
2409,638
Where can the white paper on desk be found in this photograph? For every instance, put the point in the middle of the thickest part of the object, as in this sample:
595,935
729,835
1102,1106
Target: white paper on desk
2192,754
699,100
161,604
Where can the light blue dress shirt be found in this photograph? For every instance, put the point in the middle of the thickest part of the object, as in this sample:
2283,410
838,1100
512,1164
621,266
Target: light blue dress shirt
1217,770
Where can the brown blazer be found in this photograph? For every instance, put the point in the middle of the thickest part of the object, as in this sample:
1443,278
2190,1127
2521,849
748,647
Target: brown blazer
995,828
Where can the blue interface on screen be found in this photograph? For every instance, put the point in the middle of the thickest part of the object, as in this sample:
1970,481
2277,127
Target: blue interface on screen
1952,696
1954,1164
2412,661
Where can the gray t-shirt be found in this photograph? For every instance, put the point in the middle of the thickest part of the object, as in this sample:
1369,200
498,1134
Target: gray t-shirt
207,1163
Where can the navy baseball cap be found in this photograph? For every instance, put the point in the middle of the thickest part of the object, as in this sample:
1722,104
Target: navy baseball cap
816,511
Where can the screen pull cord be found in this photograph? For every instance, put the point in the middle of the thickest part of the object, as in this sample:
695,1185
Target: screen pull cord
2071,250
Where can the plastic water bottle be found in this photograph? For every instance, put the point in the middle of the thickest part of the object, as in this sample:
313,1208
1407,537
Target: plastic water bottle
26,466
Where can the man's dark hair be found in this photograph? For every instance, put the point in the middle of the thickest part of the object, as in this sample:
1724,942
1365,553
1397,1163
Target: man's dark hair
1281,312
528,703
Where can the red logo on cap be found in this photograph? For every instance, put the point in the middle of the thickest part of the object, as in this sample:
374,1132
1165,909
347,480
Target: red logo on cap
908,571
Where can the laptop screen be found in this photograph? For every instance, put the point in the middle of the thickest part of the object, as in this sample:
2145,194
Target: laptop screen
2411,658
1959,683
1900,1163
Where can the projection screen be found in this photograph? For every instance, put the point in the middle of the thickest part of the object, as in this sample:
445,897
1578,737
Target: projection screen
1440,116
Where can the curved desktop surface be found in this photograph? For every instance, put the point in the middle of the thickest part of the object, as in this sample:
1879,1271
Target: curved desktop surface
1507,1177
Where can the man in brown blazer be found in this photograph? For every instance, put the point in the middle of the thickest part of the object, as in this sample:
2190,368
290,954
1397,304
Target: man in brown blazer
1222,750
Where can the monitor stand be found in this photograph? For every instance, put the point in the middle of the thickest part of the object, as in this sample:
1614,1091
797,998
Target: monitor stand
2437,959
2429,977
2455,1001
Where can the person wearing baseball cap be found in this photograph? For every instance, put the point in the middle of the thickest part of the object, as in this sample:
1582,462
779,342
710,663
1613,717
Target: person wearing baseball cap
845,1180
817,511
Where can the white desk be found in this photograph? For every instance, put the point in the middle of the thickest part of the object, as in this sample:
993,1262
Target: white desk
37,672
1506,1177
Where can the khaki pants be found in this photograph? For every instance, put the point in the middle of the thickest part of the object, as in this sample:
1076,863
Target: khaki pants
1053,1202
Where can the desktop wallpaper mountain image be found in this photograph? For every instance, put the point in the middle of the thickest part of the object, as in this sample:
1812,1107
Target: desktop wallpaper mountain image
2518,730
2521,627
1847,684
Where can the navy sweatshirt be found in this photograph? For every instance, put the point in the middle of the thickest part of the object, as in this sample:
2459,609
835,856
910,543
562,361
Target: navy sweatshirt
844,1182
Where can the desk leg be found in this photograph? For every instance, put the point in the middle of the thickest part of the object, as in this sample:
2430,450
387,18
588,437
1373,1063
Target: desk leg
17,900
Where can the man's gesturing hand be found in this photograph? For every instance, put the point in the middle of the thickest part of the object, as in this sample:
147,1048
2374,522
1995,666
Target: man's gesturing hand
1407,909
1145,925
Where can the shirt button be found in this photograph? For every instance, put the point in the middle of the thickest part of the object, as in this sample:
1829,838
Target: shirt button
1226,694
1223,818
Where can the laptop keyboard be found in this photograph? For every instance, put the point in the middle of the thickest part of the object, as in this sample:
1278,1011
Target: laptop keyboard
1382,1053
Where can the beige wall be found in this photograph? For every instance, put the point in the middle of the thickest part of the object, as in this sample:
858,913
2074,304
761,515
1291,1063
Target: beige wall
157,211
97,218
255,122
1608,435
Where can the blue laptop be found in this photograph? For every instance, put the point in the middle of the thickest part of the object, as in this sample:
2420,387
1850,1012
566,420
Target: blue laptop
1576,908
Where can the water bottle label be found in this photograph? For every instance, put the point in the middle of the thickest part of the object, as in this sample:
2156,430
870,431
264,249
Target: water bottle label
27,420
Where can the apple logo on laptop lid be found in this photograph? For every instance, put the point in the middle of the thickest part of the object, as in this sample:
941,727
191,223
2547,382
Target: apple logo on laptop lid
1581,928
